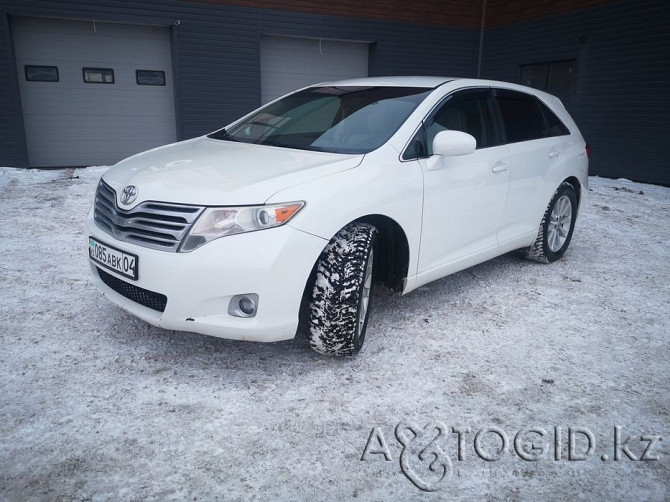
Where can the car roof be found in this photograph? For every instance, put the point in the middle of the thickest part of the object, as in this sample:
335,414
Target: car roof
427,82
434,82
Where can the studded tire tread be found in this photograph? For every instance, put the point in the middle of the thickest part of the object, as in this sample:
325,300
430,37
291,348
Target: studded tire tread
539,251
333,310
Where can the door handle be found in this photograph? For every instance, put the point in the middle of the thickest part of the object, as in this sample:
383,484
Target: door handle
500,167
554,153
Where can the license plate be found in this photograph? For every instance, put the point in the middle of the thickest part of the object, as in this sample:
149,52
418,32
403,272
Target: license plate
114,259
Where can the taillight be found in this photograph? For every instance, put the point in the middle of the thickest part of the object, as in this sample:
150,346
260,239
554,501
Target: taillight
588,151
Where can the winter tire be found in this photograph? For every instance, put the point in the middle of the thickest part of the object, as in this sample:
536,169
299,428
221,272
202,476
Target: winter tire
558,223
339,308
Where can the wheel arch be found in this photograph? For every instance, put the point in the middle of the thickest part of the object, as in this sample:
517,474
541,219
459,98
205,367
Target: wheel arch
392,253
577,186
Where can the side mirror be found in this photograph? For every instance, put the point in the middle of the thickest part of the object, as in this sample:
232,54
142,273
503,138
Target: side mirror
451,143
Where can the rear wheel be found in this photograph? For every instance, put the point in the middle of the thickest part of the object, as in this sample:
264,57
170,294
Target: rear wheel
340,303
558,223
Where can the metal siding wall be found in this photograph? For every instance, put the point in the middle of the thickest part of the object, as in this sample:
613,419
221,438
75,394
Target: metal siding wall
219,68
400,48
620,99
217,53
12,139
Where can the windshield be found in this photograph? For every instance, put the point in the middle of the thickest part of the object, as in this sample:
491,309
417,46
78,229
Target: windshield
329,119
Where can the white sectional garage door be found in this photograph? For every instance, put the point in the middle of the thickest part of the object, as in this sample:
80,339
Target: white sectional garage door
290,63
93,93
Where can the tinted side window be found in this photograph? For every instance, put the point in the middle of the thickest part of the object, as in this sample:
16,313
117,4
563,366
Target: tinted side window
522,116
466,111
556,127
416,149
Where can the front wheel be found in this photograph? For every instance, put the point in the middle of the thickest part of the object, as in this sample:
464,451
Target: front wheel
558,223
339,307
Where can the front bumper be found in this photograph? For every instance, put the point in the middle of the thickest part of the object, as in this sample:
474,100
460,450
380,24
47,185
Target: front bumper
273,263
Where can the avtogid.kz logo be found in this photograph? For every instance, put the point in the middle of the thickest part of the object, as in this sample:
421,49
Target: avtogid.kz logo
424,461
421,443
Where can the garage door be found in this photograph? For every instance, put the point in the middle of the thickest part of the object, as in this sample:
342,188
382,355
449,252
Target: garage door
290,63
93,93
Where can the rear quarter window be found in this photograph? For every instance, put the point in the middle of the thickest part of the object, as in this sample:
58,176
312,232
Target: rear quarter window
554,124
522,116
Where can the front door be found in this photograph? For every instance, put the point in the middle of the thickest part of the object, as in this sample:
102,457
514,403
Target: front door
464,196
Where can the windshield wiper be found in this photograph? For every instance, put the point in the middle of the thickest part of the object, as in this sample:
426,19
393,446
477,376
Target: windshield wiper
295,147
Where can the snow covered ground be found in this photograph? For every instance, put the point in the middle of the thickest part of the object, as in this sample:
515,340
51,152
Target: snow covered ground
95,404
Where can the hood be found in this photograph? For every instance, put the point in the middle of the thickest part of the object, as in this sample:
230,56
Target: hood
210,172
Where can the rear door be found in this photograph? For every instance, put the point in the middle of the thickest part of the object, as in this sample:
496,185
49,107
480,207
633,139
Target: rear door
534,153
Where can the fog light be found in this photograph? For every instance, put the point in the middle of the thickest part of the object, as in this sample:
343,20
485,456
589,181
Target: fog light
243,305
247,306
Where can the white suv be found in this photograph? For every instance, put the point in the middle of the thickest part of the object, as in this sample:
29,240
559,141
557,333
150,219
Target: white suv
290,214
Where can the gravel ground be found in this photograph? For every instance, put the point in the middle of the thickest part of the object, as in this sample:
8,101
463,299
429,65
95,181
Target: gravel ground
96,404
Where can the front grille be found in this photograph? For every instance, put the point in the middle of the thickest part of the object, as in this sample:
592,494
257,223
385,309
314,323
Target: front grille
154,301
156,225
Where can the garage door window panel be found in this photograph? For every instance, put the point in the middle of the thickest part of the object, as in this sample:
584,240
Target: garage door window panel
37,73
150,77
98,75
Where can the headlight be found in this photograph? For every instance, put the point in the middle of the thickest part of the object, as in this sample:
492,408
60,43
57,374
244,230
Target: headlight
217,222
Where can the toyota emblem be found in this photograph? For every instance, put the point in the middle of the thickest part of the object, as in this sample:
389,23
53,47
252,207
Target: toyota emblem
129,194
